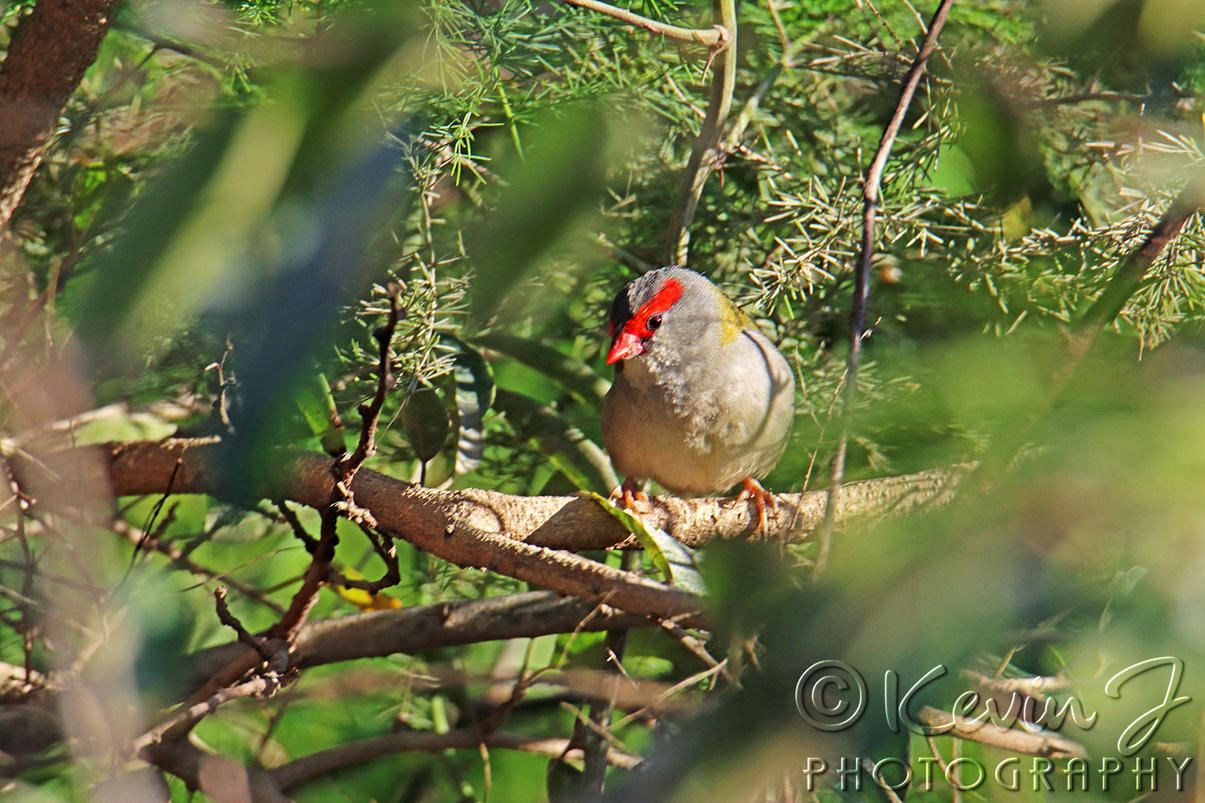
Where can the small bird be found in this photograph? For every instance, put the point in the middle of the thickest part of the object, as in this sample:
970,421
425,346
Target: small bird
702,399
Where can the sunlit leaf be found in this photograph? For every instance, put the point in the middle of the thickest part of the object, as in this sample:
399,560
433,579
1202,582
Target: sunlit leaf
673,559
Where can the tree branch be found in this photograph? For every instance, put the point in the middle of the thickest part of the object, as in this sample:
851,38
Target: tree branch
861,301
521,537
1014,740
705,154
49,53
1083,334
336,758
557,522
347,638
175,727
708,37
218,777
429,627
1132,271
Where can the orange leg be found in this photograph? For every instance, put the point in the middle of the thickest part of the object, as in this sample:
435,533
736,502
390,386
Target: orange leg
631,495
761,498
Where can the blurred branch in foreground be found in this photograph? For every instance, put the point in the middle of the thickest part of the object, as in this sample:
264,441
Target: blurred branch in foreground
49,53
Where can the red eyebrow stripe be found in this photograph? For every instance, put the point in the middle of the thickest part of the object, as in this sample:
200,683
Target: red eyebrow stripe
665,298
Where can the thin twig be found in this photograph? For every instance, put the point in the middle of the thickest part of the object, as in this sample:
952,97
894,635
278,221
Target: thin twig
594,747
180,559
244,636
685,683
708,37
695,647
299,531
178,724
1132,271
163,43
706,154
1087,97
370,413
868,767
316,575
387,552
857,329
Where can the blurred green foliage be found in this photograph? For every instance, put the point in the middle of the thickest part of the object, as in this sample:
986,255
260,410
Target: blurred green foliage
259,172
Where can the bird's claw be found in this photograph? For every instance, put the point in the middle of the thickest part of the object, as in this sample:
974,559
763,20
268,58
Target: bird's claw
632,498
762,499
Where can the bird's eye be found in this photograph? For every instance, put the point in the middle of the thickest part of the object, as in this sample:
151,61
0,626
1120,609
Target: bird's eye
654,323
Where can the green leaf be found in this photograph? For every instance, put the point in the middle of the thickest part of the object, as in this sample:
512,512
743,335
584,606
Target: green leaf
424,419
317,405
675,560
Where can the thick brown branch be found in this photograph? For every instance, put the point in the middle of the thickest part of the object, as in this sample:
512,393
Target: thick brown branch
522,537
219,778
349,638
49,53
336,758
558,522
444,624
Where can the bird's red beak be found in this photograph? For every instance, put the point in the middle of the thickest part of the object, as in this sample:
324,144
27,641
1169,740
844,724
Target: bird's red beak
626,344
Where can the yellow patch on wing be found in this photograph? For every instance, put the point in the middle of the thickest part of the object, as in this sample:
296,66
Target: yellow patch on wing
733,321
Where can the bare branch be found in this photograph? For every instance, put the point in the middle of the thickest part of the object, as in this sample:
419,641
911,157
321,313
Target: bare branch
490,530
46,60
1014,740
715,36
370,413
326,761
218,777
861,301
558,522
228,619
705,155
387,552
175,727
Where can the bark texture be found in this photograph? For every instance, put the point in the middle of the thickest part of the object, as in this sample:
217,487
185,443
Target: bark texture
49,53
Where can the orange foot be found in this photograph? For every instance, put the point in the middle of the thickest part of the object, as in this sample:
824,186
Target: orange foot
633,498
761,498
